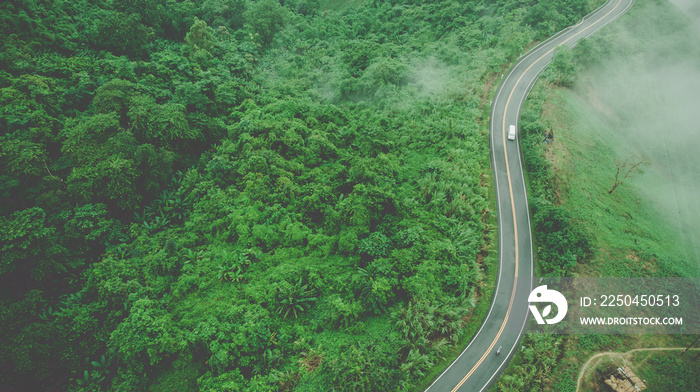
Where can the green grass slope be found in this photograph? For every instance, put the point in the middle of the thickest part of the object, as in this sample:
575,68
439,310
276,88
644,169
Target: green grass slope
634,102
633,230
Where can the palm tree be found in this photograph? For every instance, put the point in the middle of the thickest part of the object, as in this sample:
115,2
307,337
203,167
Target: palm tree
293,299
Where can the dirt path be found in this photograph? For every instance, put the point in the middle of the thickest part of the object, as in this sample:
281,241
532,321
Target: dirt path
624,357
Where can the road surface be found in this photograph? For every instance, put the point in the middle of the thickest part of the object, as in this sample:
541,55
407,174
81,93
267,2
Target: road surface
478,366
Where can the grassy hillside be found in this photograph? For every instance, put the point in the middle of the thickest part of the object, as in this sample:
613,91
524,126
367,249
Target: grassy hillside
635,103
625,96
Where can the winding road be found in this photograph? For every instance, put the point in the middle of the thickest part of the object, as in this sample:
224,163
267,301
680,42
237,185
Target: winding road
478,366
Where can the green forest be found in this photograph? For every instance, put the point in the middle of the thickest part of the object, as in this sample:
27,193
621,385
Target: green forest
235,195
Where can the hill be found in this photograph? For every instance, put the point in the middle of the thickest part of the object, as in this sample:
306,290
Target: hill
249,196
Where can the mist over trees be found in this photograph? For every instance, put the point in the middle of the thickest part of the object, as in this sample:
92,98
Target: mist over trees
246,195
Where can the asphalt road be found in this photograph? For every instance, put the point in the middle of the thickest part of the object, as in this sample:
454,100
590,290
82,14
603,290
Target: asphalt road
477,367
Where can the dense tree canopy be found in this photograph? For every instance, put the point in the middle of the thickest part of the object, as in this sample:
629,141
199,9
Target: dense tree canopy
246,195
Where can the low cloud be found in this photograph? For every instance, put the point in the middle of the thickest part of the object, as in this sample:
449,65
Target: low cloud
650,93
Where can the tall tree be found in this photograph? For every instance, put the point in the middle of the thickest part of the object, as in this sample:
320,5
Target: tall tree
265,19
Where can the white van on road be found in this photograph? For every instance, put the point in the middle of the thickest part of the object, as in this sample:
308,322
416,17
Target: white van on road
511,133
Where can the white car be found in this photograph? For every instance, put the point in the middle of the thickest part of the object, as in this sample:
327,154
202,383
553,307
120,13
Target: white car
511,133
